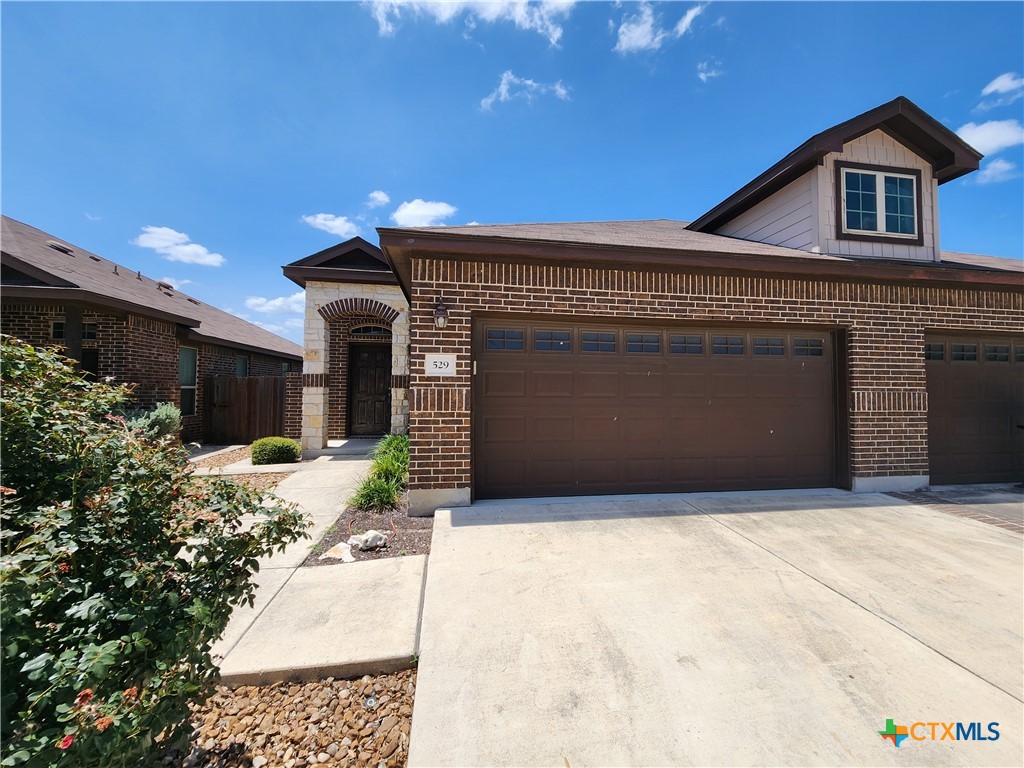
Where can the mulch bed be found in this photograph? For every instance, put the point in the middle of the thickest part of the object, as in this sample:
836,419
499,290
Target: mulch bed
223,459
406,535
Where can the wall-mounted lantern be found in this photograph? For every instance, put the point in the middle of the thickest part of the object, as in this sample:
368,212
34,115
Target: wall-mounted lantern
440,315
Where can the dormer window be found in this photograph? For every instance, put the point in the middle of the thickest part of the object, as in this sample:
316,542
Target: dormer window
878,203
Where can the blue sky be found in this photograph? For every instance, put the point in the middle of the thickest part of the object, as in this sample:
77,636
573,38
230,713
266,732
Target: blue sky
210,143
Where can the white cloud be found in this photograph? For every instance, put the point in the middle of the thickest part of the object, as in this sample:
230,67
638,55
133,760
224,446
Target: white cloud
512,87
377,198
706,71
684,24
177,246
294,303
336,225
90,217
542,17
997,170
992,136
1007,88
642,31
174,282
422,213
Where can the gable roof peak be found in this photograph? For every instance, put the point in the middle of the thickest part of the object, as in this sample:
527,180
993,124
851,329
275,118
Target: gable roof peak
949,155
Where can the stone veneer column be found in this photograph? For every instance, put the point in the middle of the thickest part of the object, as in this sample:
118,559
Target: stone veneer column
314,380
400,373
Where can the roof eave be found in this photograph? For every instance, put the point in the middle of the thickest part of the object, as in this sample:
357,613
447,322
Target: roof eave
299,275
400,248
92,300
198,337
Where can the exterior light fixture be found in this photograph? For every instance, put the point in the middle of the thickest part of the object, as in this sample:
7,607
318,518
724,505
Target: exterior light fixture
440,315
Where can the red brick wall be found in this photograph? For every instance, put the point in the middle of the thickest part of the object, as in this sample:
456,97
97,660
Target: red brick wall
885,326
337,375
293,405
140,351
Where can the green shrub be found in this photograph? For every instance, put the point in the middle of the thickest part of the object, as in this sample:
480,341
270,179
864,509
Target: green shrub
378,494
388,477
161,421
275,450
119,571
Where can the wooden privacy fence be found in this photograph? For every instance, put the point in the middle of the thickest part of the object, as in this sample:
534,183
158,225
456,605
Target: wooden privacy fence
242,410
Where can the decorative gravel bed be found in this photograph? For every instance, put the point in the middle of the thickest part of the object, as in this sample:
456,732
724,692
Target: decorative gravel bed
360,722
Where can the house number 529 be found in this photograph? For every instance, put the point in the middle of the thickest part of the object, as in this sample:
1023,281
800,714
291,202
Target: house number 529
439,365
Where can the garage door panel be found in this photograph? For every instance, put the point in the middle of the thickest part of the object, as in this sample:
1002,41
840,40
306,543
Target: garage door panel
730,385
504,429
644,384
974,408
644,429
551,429
552,384
618,421
687,386
504,383
598,384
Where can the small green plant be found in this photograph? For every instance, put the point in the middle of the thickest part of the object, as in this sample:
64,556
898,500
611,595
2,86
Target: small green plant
161,421
275,450
119,571
378,494
389,475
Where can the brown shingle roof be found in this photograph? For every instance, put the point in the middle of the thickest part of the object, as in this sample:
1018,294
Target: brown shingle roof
84,276
664,234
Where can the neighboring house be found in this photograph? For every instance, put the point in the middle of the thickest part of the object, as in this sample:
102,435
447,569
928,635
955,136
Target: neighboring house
118,323
806,332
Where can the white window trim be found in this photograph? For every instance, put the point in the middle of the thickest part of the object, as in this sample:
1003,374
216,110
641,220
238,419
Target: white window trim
193,387
880,203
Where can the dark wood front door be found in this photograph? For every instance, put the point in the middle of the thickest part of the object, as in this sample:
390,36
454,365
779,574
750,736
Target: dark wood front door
369,389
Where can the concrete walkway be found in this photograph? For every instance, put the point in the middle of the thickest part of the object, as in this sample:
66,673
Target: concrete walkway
777,628
339,620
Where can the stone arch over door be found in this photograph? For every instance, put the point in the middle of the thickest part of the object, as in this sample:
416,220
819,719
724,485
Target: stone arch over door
329,399
343,309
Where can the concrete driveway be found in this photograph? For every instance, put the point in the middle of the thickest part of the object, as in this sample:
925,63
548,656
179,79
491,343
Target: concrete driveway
718,629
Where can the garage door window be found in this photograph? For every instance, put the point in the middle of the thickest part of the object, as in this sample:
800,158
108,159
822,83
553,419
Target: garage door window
809,347
505,338
1018,354
769,345
598,341
643,342
552,341
727,345
963,352
934,351
686,345
997,353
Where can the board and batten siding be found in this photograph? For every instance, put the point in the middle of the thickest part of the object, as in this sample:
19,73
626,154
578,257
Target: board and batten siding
786,218
802,214
878,148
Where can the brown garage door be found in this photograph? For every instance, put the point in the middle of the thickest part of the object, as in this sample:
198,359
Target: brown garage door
571,409
975,407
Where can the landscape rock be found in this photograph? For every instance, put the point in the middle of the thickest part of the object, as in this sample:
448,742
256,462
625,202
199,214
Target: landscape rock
368,540
324,723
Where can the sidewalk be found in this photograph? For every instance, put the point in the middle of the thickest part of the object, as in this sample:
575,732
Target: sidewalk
336,621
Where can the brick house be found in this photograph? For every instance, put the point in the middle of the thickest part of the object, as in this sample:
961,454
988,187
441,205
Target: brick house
808,331
118,323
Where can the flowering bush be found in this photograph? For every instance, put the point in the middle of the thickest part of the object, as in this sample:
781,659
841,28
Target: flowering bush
119,571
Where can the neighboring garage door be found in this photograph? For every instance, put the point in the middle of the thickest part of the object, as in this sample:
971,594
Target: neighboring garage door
573,409
975,409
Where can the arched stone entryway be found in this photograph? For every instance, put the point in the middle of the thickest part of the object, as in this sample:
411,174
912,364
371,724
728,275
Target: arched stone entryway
353,386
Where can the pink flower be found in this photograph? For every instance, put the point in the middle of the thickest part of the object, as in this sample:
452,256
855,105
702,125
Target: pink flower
66,742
